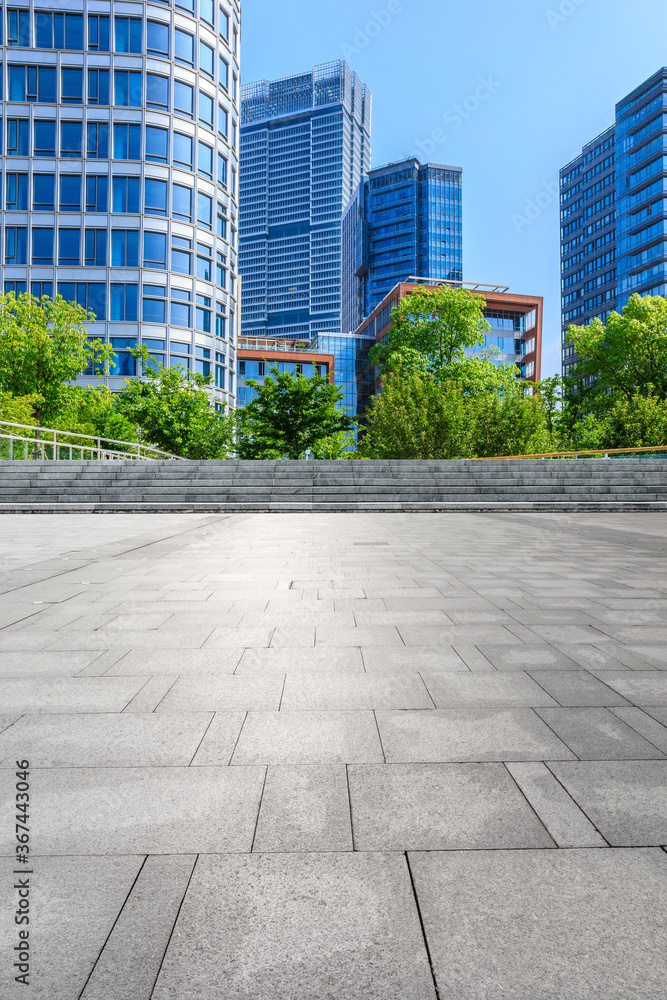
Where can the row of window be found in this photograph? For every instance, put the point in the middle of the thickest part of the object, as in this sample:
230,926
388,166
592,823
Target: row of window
125,197
91,247
124,250
126,145
55,30
37,84
123,307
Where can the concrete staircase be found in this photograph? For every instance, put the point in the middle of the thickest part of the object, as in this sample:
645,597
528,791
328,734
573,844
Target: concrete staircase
211,487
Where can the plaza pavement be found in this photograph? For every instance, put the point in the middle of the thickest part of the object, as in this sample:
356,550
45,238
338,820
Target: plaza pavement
337,757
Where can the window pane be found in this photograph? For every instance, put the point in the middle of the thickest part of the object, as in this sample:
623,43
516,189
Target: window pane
155,197
205,160
204,210
97,294
42,246
182,150
205,109
182,202
153,311
45,138
155,250
180,314
181,262
206,59
68,246
156,143
157,90
183,98
70,193
72,86
70,139
184,47
43,192
157,38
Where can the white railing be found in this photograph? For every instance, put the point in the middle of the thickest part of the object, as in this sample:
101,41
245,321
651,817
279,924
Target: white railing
26,443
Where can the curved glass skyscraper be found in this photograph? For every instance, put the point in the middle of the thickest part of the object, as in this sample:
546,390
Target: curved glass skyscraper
120,171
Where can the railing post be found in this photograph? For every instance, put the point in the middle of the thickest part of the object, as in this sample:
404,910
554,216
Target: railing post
55,445
11,449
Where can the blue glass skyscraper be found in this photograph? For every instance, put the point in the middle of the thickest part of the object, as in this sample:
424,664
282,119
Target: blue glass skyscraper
305,145
614,213
404,220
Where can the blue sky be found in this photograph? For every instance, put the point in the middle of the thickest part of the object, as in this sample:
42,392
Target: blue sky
547,74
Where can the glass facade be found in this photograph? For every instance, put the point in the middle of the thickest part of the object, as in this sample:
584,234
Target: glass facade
614,212
108,138
256,369
305,145
353,372
404,220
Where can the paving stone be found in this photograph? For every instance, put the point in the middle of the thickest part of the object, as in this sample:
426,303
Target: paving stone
341,692
412,658
220,739
141,810
468,735
348,660
596,734
304,809
545,924
247,638
380,636
626,800
332,926
44,664
577,689
446,635
568,633
440,807
7,720
490,690
309,738
68,694
657,713
125,740
177,663
646,688
151,639
259,692
645,725
522,657
71,920
558,812
131,958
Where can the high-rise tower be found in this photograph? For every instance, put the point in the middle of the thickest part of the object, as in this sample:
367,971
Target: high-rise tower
120,168
613,212
404,220
305,145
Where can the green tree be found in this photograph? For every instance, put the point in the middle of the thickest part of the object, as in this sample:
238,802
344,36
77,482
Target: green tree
435,324
625,356
174,411
418,416
289,416
44,346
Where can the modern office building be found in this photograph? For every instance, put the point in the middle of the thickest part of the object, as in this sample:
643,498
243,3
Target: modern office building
119,172
255,355
614,213
515,320
305,145
354,374
403,219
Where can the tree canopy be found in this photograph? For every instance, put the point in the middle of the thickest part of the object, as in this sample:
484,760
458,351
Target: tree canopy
44,345
435,324
174,411
290,416
625,356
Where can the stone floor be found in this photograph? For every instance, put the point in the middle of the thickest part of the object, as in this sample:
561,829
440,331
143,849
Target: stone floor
337,757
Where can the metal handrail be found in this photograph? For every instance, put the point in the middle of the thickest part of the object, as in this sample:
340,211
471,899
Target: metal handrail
43,439
575,454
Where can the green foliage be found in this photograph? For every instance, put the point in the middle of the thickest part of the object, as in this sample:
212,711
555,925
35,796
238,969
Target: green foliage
174,411
290,416
625,357
431,327
92,410
421,417
17,409
43,346
340,445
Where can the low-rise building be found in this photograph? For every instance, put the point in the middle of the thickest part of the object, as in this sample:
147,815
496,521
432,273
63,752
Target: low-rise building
256,355
515,320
